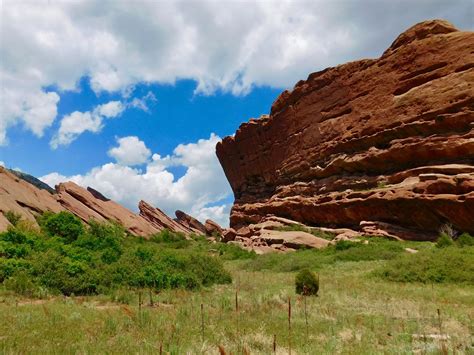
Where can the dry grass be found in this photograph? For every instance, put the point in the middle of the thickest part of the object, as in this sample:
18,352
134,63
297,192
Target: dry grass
354,314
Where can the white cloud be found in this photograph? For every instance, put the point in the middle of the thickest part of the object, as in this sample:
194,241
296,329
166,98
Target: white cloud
76,123
219,44
111,109
130,151
200,191
2,163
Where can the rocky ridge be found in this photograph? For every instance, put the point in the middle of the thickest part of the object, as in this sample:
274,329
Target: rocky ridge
378,146
23,197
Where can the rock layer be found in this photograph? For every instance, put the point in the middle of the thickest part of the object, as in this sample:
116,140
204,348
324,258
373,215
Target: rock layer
26,199
388,140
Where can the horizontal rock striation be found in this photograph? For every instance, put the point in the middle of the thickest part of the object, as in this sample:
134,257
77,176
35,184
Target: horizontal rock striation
387,140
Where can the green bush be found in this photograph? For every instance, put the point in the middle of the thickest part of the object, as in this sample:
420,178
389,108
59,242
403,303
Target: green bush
465,239
307,283
64,225
12,217
69,259
437,265
444,241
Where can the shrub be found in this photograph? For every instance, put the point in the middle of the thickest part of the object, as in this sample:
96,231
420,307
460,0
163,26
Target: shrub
465,239
21,283
437,265
444,241
307,283
12,217
64,225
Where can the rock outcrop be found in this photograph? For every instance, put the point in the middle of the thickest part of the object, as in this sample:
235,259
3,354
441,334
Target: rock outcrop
388,141
86,206
29,198
160,220
190,222
213,228
21,197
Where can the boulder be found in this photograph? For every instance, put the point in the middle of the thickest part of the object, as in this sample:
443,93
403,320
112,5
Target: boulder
388,140
213,228
294,240
229,235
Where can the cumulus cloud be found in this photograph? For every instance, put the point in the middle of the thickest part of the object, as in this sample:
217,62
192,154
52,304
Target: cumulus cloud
76,123
222,45
200,191
130,151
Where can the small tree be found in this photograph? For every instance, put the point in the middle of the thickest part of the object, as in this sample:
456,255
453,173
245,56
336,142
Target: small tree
307,283
64,225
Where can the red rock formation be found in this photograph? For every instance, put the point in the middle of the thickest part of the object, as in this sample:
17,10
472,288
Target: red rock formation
190,222
213,228
160,220
23,198
86,206
387,140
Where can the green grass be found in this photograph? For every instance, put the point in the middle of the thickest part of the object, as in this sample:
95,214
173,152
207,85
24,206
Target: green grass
343,251
353,314
373,297
449,264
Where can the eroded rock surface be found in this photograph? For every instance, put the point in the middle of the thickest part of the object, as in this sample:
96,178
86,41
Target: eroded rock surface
387,140
86,206
21,197
26,199
160,220
190,222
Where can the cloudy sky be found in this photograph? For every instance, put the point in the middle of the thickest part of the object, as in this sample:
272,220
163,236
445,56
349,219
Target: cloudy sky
130,97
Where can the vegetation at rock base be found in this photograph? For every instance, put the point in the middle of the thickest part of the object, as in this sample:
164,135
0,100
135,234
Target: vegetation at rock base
179,295
306,283
67,258
12,217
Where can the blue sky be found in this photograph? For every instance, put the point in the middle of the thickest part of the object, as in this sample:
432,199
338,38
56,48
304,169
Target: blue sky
131,97
177,116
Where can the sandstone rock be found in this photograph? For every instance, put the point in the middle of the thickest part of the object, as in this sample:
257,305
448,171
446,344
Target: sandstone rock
386,140
86,206
24,198
213,228
159,220
229,235
294,240
190,222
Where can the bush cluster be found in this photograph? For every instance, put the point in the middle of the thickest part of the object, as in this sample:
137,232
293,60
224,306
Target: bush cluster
451,261
307,283
68,258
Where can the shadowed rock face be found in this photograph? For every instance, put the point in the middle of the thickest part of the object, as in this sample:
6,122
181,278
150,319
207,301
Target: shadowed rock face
388,140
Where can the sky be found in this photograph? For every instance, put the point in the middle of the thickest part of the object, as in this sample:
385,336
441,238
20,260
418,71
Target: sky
130,97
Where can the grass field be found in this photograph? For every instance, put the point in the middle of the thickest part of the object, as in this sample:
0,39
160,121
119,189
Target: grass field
355,313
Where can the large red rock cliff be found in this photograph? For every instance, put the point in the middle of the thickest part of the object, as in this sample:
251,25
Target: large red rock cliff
387,140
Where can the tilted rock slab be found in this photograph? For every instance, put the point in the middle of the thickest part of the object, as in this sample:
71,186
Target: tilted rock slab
160,220
21,197
386,140
88,204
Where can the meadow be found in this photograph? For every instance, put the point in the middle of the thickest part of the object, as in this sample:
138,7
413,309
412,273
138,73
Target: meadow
373,298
